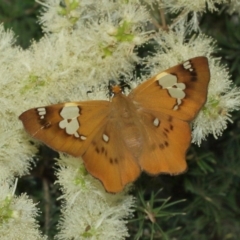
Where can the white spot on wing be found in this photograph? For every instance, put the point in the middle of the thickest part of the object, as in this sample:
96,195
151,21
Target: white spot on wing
170,83
181,86
156,122
176,93
76,134
167,81
41,112
179,101
188,66
105,137
70,113
70,104
82,137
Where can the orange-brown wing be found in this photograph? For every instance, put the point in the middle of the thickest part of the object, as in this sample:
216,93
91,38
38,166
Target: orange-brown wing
109,159
84,129
179,91
166,143
67,127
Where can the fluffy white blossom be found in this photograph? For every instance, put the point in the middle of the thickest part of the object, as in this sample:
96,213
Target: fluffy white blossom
86,44
17,216
12,161
234,7
189,12
174,47
192,6
90,212
223,98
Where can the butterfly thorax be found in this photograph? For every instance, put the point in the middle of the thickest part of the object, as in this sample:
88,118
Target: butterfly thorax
123,114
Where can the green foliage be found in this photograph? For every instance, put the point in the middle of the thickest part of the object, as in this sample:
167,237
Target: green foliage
225,29
230,46
21,17
5,210
149,215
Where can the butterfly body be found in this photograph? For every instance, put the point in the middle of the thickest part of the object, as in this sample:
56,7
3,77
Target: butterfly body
125,118
148,130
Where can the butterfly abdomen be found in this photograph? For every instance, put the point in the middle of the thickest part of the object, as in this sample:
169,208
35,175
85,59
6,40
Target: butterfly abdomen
128,123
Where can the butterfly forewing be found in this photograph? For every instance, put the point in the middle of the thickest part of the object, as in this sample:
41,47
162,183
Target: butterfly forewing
167,141
67,127
179,91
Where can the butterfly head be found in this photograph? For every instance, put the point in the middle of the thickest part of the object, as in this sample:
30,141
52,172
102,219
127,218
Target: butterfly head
116,88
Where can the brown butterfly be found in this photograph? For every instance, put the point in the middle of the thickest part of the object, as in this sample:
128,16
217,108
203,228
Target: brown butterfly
148,130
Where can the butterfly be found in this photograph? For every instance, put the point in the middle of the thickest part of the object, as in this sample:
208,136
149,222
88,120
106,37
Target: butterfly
148,130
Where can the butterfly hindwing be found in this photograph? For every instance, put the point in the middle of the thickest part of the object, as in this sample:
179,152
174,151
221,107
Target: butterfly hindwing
67,127
179,91
166,144
109,159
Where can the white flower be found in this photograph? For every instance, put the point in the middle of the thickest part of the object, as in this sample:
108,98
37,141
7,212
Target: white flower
17,216
190,11
192,6
173,48
13,162
88,211
234,6
223,98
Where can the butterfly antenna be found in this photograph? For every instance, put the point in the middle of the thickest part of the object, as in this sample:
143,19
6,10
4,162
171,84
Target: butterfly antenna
111,85
123,84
